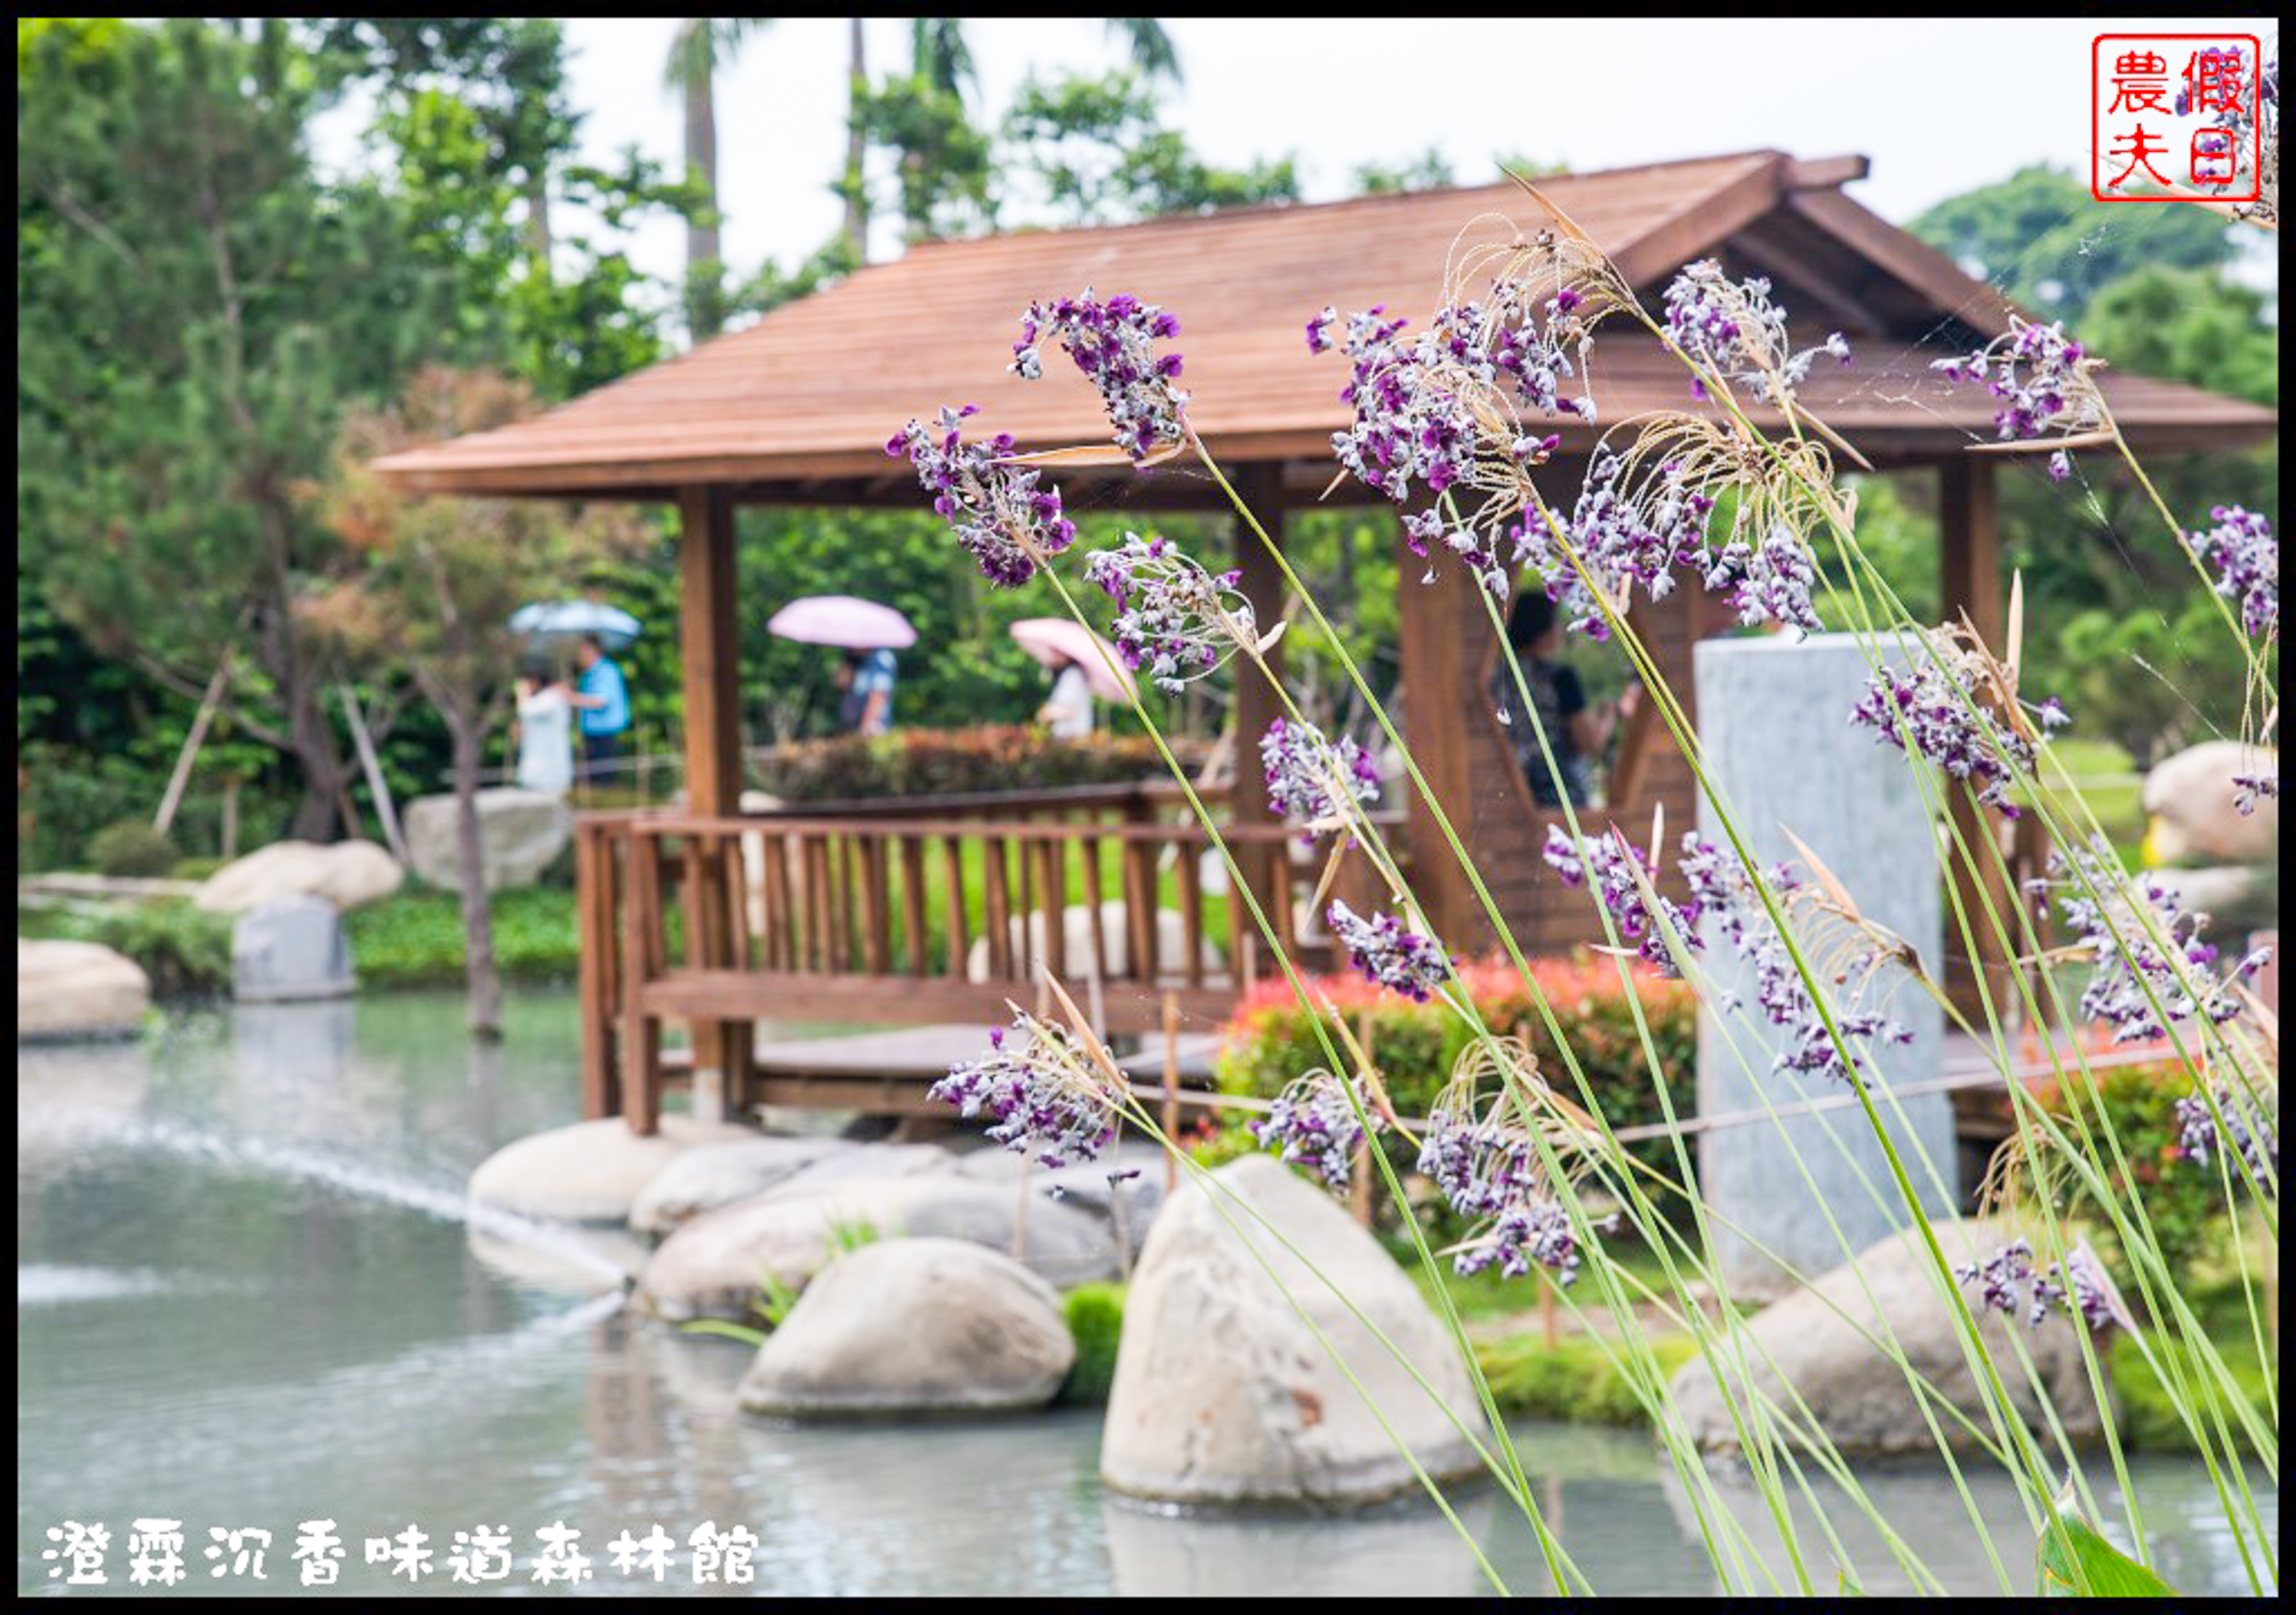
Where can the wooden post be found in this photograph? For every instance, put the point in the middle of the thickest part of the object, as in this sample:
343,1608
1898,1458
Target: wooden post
208,700
1438,663
1256,705
1969,564
709,654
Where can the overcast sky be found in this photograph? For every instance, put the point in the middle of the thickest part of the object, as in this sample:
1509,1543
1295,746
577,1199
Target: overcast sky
1939,107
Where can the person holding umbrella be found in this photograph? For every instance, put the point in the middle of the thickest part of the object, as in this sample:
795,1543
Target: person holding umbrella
603,699
866,679
1082,666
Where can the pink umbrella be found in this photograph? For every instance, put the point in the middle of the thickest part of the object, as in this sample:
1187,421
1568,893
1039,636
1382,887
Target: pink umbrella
843,620
1054,640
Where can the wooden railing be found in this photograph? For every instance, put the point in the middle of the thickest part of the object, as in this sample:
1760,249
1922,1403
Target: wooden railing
886,913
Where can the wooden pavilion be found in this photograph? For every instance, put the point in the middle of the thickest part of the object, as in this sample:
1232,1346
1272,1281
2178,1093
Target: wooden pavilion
824,914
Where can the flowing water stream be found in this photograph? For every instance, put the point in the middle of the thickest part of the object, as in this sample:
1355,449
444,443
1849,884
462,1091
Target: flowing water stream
250,1292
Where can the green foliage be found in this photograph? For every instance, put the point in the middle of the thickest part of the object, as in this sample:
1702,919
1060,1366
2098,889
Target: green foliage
1095,152
2076,1562
2150,1421
186,951
1094,1314
131,847
1573,1380
941,157
2182,1201
2036,234
926,763
413,938
1271,1042
1430,170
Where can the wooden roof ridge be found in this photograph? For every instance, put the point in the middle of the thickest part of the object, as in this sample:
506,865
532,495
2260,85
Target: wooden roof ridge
805,397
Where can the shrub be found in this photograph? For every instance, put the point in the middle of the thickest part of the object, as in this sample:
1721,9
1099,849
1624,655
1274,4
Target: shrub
1270,1041
186,951
415,938
1095,1320
195,869
933,762
1574,1380
131,848
2182,1201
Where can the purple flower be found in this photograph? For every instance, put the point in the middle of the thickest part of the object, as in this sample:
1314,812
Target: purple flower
2247,787
1490,1174
2149,968
1045,1093
1173,619
1314,779
1312,1124
1940,712
2246,557
1720,888
1737,331
1395,958
1113,343
2009,1282
998,511
2250,1128
2042,380
1616,865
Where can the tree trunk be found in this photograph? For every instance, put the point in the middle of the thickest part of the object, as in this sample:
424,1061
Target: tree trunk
856,153
484,981
704,266
537,220
325,775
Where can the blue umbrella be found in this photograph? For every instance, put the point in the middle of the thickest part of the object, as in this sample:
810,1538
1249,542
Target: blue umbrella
571,619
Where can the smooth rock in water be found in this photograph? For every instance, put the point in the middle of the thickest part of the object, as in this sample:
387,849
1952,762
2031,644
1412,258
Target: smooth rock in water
520,833
77,989
347,874
876,1158
288,949
914,1326
1222,1395
590,1172
2190,799
711,1266
1075,932
719,1175
1857,1394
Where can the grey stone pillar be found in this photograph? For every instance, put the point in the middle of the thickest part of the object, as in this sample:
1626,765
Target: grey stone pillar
1773,720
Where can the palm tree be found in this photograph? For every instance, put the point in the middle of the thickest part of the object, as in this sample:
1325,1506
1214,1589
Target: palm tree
1152,48
939,55
701,43
856,155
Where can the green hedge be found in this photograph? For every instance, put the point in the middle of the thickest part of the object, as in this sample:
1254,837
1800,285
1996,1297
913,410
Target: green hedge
413,938
1095,1321
186,951
1270,1041
932,763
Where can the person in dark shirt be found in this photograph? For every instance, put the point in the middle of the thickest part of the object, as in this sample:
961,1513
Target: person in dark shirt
1576,731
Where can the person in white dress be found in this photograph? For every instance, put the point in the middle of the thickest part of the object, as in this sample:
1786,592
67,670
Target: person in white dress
1068,710
544,734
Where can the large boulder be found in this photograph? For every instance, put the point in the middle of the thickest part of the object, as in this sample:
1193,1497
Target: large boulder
1223,1394
1857,1394
2190,797
520,833
914,1326
712,1265
719,1175
347,874
1076,938
77,989
590,1172
288,949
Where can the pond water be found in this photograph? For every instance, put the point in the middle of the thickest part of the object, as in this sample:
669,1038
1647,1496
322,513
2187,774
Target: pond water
246,1297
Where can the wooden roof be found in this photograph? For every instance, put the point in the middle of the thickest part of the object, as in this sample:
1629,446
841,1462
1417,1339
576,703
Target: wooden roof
798,406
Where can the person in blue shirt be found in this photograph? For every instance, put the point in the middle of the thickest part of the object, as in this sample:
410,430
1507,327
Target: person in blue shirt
603,700
866,677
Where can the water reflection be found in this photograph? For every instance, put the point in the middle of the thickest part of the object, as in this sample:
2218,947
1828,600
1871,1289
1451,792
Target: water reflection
244,1300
